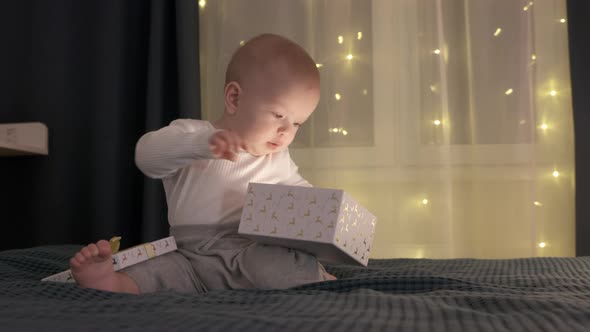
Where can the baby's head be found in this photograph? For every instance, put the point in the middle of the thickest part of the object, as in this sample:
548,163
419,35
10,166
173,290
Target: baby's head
271,87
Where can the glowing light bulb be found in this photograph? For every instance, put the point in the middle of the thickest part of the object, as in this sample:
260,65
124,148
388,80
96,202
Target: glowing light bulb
498,32
425,201
433,88
202,3
437,51
337,96
437,122
537,203
242,43
359,35
344,132
319,65
553,93
533,57
555,174
542,245
349,57
562,20
340,39
508,92
544,126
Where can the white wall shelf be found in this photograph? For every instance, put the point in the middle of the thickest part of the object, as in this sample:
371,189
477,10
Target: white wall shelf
26,138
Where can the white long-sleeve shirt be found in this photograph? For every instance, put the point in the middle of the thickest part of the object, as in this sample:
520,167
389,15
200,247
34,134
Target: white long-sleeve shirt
199,188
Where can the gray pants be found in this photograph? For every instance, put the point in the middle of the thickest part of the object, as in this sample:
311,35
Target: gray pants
216,257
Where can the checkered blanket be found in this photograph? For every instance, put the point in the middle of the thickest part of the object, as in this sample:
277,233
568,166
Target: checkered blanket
533,294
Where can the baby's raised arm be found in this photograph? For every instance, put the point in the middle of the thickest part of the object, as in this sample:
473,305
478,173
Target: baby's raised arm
161,153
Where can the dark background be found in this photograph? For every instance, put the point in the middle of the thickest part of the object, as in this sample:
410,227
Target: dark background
99,74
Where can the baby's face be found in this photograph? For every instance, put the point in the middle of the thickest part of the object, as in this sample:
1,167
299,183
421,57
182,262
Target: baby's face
269,116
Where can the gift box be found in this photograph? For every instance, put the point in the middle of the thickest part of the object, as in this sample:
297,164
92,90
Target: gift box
127,257
327,223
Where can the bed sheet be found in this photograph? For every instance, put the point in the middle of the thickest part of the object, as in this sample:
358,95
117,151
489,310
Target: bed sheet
530,294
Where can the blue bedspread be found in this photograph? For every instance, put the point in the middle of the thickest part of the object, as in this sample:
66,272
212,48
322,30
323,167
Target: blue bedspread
534,294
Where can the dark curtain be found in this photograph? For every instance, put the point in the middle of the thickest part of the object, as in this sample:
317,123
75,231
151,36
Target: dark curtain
99,74
578,12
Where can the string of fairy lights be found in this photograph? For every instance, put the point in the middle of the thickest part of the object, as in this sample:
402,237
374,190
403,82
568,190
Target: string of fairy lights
437,122
543,126
337,95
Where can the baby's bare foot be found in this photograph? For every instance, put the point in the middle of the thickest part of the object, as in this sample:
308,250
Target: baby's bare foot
92,267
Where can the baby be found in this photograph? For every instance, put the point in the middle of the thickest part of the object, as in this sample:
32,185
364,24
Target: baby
272,86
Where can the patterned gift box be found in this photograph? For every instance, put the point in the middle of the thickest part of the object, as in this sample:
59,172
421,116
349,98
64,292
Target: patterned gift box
325,222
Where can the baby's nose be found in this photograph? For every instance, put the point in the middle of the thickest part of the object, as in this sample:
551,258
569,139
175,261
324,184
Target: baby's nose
285,129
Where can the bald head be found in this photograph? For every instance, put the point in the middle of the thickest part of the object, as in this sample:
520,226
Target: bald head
271,56
272,86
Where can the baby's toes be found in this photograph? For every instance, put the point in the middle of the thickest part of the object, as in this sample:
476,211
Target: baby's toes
74,262
79,259
93,249
86,253
103,248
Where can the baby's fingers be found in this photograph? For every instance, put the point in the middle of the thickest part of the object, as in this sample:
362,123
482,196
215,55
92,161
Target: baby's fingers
229,155
234,141
216,145
221,146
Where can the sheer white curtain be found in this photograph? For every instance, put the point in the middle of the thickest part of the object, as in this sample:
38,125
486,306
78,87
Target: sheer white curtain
450,120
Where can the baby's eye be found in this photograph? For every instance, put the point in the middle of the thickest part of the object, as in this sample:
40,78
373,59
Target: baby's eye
277,115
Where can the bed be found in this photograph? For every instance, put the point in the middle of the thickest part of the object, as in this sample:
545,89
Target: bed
531,294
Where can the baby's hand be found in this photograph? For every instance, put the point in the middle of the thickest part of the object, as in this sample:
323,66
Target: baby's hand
226,144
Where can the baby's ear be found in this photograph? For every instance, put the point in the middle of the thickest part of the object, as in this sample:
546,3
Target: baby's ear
232,96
